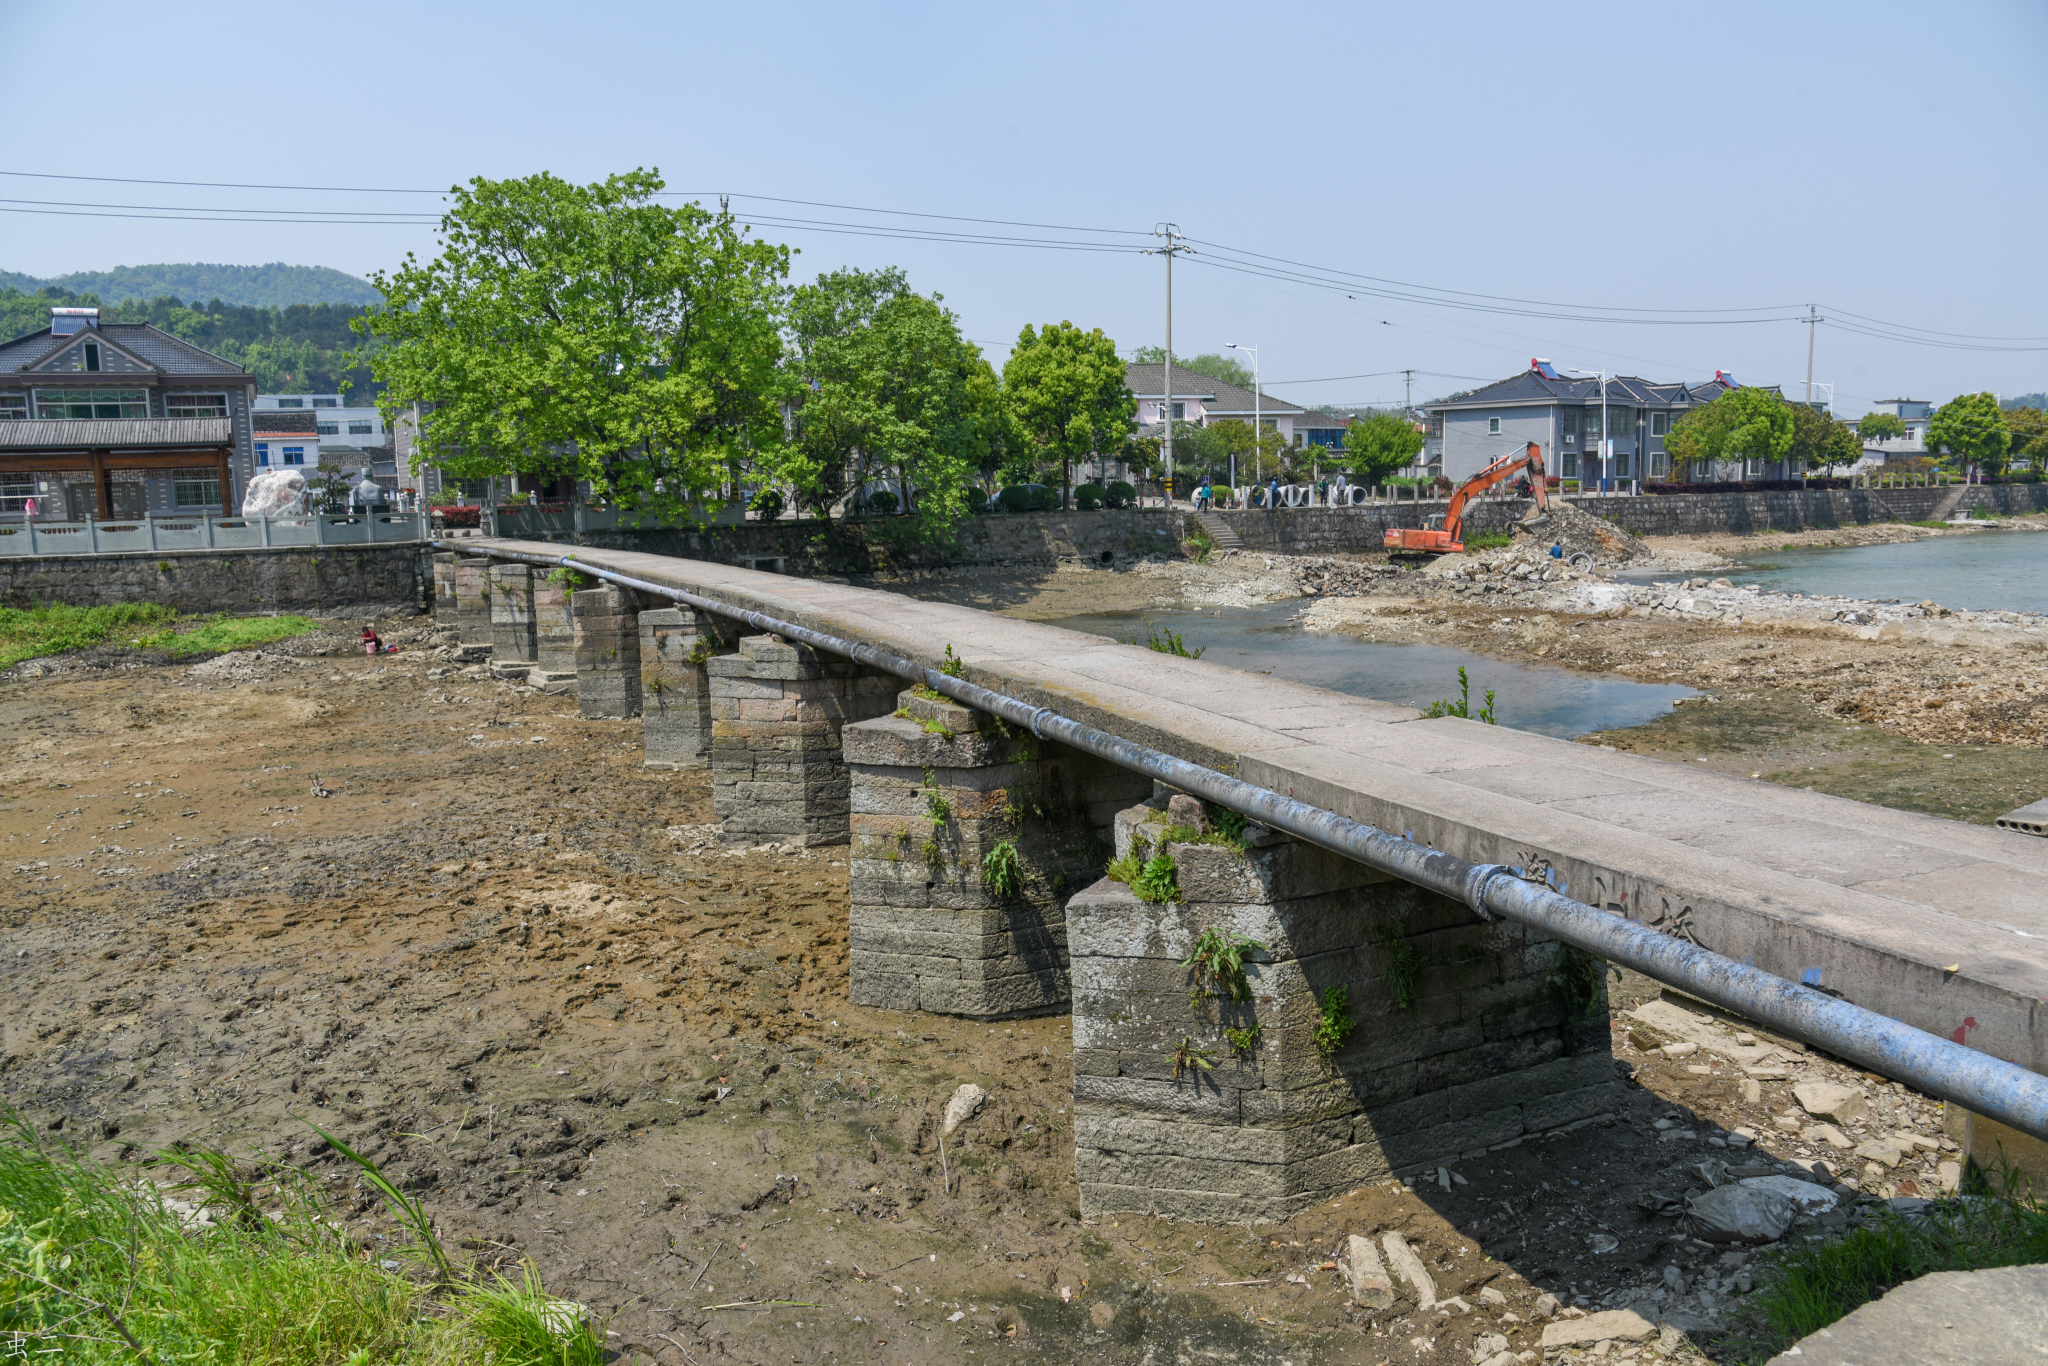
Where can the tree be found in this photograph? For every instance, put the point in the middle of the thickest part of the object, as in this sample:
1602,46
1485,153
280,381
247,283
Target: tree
1378,445
890,387
1066,392
587,330
1742,424
1819,441
2029,428
1880,427
1972,429
1229,369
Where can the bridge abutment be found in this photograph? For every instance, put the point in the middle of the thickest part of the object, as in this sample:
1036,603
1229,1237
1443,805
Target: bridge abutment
777,710
511,608
968,838
1446,1035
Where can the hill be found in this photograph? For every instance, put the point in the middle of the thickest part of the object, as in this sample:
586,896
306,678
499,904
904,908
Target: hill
273,286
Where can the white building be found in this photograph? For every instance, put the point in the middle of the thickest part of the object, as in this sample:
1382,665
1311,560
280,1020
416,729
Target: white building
1916,414
335,421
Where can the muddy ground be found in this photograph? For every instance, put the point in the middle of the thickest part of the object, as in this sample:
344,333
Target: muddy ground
463,929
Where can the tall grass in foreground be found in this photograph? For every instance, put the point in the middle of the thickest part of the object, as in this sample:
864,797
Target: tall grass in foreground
96,1267
1809,1286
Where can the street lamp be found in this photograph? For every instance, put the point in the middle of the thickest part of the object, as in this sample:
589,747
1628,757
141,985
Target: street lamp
1258,416
1606,441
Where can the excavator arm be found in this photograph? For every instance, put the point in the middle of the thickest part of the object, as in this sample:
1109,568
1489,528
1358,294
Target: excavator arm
1450,538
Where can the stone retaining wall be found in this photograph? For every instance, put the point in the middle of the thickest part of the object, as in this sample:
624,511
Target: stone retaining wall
318,580
1323,531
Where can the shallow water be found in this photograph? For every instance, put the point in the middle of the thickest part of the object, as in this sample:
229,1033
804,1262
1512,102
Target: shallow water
1534,697
2001,570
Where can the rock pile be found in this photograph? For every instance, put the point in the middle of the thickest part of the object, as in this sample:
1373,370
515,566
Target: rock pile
1584,534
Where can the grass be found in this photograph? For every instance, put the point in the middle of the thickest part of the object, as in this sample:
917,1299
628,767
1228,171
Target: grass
1217,962
1333,1020
1463,706
1806,1287
96,1267
1168,642
1155,881
56,628
1488,540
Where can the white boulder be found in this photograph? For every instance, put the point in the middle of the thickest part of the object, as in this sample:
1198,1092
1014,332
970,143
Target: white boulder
275,493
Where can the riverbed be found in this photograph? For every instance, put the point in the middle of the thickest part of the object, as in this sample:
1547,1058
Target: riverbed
1988,571
1269,639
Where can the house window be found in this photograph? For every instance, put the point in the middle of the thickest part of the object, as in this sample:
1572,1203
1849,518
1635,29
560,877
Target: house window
263,453
1592,425
291,403
195,405
15,493
1571,464
1180,412
1657,424
92,355
13,405
327,428
1493,426
1571,426
1621,420
294,455
195,488
1660,465
91,403
326,403
361,429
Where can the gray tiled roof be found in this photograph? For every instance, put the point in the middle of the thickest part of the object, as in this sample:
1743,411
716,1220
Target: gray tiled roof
122,432
1214,393
166,354
286,423
1532,386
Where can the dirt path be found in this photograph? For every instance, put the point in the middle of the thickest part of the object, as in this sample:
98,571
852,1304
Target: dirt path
512,966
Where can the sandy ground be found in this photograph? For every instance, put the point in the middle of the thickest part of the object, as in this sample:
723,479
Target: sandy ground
462,928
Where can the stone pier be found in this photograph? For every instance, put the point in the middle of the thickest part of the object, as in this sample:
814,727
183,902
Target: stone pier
511,607
470,607
968,838
607,622
554,634
675,690
1378,1029
776,714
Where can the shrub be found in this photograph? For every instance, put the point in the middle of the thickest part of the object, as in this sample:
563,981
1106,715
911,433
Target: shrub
881,503
459,516
977,503
767,504
1029,498
1750,486
1088,497
1119,495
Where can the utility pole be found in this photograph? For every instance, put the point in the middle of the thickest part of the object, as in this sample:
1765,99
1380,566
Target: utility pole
1408,392
1173,238
1812,319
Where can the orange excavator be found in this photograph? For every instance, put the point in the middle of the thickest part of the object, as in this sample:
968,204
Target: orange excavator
1449,538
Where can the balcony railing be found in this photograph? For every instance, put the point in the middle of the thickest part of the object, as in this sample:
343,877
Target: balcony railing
166,531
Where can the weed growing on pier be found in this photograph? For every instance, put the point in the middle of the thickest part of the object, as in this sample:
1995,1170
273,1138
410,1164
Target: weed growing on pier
1404,964
1185,1057
953,666
1577,979
1002,872
1167,642
1463,706
1158,881
934,856
1243,1042
569,580
1334,1023
1217,964
937,807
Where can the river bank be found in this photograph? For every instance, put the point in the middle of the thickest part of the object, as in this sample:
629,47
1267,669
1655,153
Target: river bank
1917,705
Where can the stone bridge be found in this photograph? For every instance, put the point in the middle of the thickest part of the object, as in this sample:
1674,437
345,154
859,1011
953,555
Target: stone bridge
1383,1029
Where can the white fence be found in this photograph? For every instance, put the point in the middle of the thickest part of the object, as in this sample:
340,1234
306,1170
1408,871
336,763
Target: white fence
162,531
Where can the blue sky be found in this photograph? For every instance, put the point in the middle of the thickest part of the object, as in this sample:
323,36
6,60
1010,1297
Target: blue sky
1883,160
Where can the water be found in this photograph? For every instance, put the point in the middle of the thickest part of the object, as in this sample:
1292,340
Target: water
1532,697
1991,570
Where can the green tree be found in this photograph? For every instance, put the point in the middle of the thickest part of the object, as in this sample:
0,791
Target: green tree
2029,428
1880,427
1376,446
587,330
1742,424
1067,394
1819,441
1229,369
890,388
1972,429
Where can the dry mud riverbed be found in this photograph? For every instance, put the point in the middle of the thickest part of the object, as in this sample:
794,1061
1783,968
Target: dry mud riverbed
462,928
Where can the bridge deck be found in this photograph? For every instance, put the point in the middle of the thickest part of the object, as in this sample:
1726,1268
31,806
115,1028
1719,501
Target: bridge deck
1869,903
